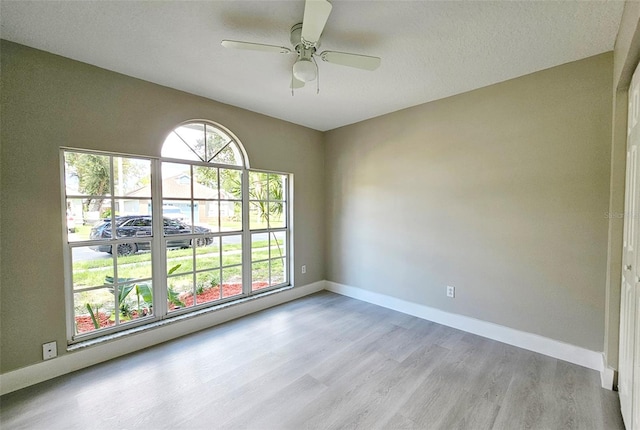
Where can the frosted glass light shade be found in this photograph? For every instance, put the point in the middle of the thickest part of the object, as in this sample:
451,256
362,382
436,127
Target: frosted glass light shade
304,70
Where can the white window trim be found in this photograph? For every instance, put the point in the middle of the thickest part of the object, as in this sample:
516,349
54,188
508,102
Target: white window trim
158,247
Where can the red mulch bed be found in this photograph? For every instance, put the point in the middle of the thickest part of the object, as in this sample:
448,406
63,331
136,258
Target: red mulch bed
84,323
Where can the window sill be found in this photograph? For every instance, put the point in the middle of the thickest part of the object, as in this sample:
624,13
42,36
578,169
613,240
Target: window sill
170,320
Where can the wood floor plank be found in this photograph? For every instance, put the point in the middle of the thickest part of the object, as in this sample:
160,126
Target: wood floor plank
321,362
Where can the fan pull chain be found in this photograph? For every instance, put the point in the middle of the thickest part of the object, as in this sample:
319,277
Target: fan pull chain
317,75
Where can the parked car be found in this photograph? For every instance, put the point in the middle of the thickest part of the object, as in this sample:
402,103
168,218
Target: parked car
140,226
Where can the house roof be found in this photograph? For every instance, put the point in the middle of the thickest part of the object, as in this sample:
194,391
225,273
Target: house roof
180,186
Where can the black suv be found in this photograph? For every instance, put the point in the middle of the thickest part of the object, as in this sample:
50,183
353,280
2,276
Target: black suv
140,226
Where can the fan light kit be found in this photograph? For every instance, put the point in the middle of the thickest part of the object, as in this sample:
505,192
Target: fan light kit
304,70
305,39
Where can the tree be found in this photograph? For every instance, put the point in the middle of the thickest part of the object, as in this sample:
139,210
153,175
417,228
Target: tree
93,174
266,193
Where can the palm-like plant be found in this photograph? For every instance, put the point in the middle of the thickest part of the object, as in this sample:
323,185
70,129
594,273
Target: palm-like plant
266,194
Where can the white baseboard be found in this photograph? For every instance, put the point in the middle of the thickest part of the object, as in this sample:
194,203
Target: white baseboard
85,357
532,342
88,356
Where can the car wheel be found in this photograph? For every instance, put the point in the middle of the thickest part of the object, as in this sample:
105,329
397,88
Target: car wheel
198,242
127,249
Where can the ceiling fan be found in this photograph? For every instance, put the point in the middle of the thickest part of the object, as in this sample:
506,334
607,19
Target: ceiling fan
305,39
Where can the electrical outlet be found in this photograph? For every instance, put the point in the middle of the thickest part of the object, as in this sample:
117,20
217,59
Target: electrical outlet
49,350
451,291
304,268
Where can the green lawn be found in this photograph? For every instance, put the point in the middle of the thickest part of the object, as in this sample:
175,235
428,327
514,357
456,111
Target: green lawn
138,266
94,273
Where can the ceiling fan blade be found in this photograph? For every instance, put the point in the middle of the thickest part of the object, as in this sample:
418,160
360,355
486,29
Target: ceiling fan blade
316,13
364,62
234,44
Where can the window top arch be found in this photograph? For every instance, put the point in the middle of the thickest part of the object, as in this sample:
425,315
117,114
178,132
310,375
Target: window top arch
206,142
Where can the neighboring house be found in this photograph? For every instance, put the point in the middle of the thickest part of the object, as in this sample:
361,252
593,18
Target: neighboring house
179,186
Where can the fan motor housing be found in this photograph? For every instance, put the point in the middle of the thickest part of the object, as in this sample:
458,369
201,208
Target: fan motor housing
296,39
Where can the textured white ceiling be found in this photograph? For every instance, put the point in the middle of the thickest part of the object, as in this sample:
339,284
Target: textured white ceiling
429,49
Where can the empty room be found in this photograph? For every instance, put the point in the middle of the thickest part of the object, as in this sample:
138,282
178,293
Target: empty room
319,214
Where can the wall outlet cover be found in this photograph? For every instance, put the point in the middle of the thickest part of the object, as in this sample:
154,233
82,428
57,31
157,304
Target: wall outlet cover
49,350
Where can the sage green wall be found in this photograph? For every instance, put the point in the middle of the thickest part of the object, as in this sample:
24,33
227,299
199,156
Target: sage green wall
49,101
501,192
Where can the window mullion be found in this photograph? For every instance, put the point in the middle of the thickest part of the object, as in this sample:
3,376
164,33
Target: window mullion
114,242
288,196
246,235
193,221
159,249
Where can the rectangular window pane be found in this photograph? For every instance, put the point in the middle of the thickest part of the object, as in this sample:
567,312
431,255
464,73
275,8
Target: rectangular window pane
259,246
231,281
277,186
176,180
129,207
75,221
179,260
208,287
230,184
180,292
132,177
206,216
173,228
258,215
277,215
101,230
258,185
90,268
205,185
178,210
135,266
208,256
231,250
230,215
88,175
278,274
259,275
133,226
93,310
135,301
278,243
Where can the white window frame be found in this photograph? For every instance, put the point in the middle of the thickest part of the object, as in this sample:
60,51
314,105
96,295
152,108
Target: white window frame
269,230
72,337
158,239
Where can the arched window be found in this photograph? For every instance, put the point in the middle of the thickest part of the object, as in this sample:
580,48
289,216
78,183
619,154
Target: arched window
204,142
235,218
150,238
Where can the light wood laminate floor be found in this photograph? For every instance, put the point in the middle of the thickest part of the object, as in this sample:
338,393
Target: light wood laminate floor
324,361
